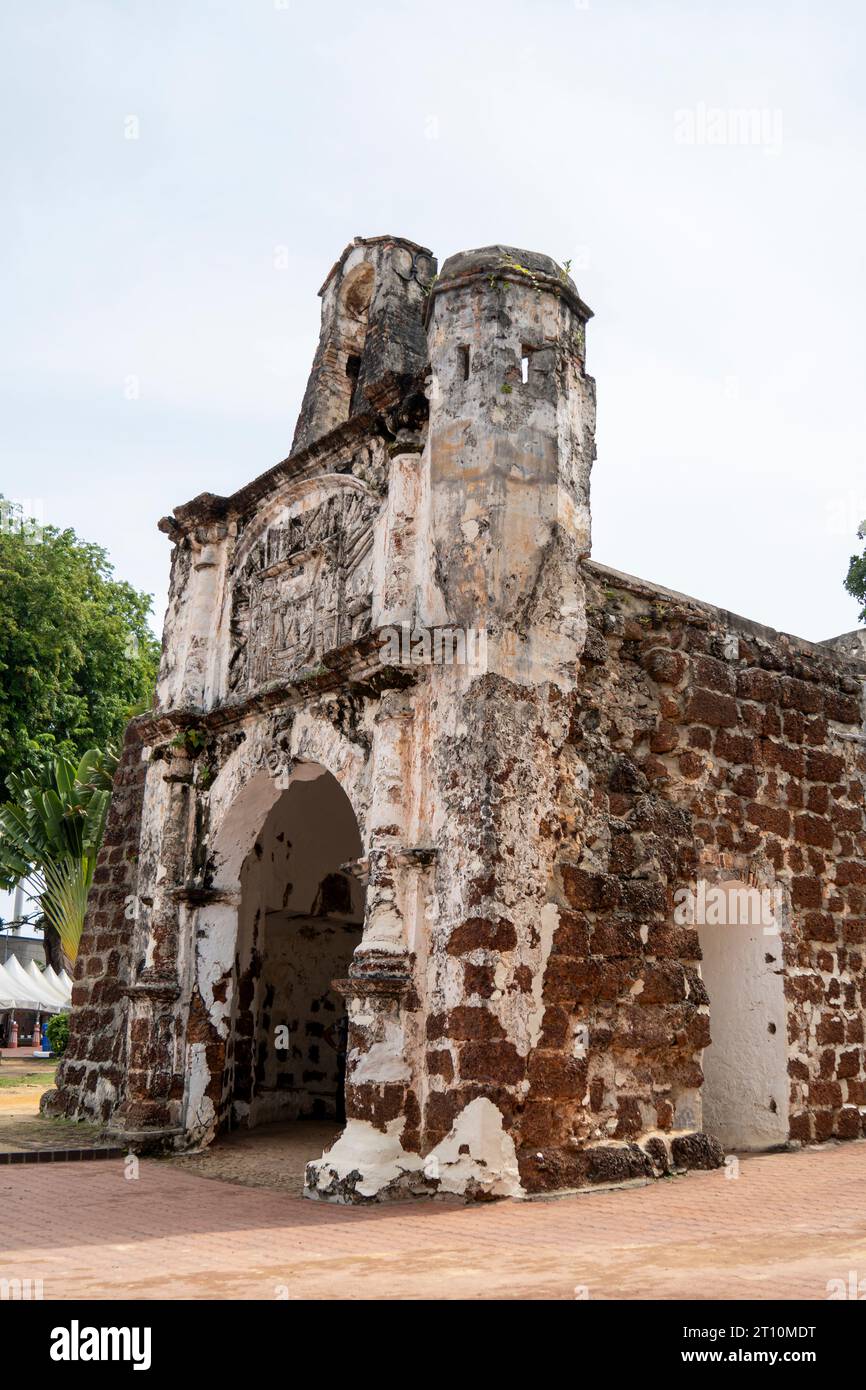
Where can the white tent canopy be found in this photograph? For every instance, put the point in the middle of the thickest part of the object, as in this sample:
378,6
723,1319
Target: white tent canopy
33,989
49,986
11,994
60,982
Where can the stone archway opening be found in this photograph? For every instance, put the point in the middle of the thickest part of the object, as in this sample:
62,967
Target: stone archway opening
745,1089
300,917
352,321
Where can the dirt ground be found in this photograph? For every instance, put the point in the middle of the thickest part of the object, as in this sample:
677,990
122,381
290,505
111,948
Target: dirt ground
22,1082
21,1125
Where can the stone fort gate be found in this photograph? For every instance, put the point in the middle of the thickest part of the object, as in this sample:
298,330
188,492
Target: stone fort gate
405,833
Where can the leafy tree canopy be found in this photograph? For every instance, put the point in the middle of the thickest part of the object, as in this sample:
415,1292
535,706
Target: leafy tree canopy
76,654
856,581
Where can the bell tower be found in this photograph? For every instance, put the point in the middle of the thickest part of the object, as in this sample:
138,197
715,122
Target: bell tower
371,344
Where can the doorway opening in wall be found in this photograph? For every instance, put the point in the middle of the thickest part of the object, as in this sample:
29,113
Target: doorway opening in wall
353,367
354,305
745,1089
300,918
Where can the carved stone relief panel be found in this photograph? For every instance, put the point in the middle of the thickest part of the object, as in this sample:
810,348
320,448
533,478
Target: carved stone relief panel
303,586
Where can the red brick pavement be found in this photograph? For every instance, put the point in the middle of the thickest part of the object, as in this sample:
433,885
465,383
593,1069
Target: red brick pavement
782,1229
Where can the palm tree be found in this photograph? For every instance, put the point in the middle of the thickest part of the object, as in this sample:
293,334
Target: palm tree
50,833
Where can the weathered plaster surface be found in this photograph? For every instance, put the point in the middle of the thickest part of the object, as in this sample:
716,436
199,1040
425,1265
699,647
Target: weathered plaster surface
477,1159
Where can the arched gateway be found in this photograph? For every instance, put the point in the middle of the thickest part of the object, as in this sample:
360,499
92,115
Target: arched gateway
280,928
402,837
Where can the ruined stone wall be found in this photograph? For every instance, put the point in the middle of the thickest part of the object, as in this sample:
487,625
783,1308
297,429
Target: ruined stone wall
488,949
525,1013
91,1077
700,746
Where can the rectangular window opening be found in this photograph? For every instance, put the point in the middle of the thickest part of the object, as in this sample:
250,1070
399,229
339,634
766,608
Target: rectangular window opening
464,362
526,353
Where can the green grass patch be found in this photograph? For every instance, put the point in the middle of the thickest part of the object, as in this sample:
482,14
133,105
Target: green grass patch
27,1078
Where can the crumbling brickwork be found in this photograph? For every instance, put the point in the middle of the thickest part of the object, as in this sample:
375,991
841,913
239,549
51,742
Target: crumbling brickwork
704,746
407,731
91,1075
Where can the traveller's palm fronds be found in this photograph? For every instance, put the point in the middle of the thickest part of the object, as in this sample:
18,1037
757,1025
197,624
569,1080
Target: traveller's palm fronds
50,833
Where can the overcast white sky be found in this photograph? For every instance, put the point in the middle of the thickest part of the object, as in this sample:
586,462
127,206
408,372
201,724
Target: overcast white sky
727,280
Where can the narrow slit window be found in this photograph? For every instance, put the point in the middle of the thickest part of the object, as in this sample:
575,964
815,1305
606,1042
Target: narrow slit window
464,362
524,364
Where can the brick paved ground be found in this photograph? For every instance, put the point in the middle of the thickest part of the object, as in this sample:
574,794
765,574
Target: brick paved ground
788,1224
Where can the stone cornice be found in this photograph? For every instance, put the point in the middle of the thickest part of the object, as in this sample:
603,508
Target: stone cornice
355,668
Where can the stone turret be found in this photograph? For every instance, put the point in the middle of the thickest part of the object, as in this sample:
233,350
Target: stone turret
371,344
511,445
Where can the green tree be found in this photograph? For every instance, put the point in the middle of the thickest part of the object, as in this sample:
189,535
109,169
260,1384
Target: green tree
50,833
856,581
76,653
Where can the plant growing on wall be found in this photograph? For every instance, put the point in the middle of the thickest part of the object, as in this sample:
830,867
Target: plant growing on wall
50,833
190,741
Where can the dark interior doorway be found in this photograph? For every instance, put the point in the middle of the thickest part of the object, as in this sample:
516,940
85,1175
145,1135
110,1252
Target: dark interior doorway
300,919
